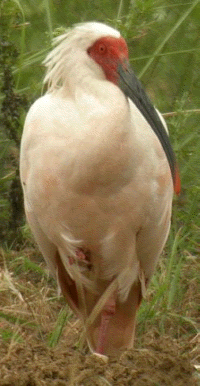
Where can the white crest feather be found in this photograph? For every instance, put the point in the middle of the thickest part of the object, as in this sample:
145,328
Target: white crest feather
71,51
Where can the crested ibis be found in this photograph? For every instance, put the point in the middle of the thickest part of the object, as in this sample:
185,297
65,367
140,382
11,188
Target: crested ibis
98,174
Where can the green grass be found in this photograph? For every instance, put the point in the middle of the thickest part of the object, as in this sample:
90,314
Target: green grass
63,317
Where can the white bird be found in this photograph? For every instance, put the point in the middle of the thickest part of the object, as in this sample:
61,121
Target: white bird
97,171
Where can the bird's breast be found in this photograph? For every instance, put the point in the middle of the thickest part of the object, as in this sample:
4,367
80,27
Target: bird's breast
107,165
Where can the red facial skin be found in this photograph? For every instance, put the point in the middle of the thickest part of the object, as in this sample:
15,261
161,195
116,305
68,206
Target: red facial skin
108,52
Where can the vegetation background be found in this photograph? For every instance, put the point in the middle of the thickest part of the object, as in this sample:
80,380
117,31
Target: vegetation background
163,38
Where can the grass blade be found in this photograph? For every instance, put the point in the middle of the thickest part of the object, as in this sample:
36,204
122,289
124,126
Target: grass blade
167,37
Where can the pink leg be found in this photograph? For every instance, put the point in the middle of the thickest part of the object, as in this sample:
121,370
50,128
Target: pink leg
106,315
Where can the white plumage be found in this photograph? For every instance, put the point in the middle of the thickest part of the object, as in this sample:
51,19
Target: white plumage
97,188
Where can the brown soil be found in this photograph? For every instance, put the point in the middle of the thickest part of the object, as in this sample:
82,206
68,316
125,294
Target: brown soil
162,362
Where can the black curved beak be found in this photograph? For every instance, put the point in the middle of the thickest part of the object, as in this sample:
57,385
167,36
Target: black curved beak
133,89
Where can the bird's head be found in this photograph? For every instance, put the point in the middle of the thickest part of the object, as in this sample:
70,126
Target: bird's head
88,48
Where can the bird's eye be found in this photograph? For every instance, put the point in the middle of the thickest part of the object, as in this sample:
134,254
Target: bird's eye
102,48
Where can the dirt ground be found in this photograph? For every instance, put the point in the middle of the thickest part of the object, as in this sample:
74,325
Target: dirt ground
162,362
29,310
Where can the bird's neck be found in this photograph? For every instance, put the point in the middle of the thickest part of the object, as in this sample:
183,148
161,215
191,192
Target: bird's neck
79,76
